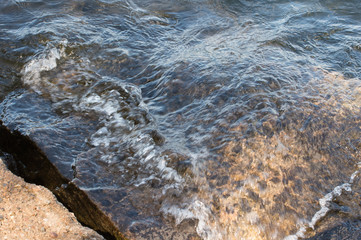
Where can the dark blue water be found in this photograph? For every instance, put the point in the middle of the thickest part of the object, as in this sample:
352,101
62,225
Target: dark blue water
221,119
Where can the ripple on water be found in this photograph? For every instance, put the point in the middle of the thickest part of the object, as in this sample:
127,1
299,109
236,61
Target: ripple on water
193,118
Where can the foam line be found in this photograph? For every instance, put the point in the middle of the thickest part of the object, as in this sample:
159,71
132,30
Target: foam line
324,201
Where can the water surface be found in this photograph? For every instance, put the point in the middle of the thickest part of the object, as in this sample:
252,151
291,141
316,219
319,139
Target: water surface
186,119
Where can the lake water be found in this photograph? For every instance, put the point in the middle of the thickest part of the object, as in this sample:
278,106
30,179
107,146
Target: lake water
191,118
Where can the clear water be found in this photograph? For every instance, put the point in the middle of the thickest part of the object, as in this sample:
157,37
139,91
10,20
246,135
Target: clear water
186,119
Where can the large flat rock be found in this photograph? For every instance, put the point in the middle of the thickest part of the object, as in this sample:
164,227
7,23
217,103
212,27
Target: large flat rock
29,211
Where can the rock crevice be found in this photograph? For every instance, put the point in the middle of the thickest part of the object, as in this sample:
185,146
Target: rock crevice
32,164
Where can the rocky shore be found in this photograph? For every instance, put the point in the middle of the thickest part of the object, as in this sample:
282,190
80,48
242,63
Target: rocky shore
29,211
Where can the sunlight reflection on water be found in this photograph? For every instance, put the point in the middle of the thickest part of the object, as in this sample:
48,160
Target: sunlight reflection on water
216,119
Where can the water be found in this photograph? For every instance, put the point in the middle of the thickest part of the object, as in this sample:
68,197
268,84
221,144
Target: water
186,119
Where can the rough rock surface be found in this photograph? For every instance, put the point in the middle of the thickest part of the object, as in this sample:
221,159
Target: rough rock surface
350,230
29,211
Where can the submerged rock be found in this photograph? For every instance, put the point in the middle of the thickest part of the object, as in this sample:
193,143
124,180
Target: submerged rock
350,230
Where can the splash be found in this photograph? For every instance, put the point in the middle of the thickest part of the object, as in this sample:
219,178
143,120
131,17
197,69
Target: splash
250,190
126,139
324,203
195,209
266,180
45,61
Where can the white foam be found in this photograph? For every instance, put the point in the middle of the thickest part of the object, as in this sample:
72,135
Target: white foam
146,152
106,106
101,137
99,104
114,128
337,191
324,201
45,61
195,210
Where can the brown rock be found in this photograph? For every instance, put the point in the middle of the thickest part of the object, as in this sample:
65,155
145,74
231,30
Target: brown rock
30,211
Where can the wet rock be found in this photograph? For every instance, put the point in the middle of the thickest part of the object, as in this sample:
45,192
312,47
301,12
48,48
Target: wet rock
33,165
157,137
115,213
350,230
183,167
284,165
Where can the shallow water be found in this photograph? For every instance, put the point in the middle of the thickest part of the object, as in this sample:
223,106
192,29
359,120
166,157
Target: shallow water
185,119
